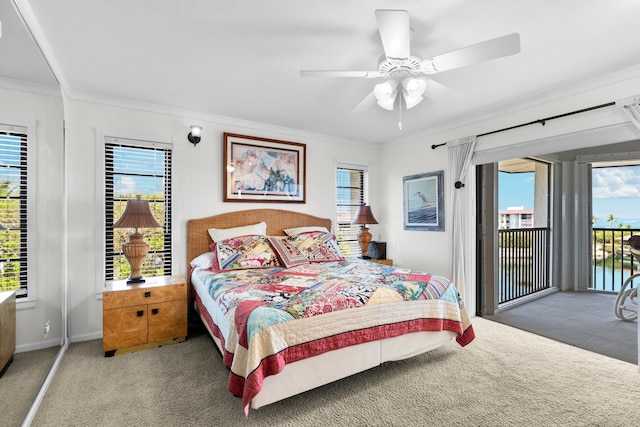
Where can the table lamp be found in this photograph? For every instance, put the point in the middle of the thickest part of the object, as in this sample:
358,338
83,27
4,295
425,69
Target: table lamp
364,216
137,214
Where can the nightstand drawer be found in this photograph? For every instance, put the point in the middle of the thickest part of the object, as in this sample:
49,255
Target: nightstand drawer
147,295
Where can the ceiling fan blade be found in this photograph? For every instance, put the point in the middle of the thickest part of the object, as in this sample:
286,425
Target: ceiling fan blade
437,91
490,49
336,73
395,33
366,103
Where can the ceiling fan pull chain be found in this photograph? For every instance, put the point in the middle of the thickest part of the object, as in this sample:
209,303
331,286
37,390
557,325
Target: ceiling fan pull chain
399,113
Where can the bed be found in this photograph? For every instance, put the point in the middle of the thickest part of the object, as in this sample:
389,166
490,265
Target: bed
290,351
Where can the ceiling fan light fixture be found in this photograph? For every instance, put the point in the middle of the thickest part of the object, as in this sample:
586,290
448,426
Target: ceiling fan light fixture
386,94
414,87
385,91
411,101
387,104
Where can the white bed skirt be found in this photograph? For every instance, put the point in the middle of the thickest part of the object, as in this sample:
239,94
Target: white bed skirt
307,374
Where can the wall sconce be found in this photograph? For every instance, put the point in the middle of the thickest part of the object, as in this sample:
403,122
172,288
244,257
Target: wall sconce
194,135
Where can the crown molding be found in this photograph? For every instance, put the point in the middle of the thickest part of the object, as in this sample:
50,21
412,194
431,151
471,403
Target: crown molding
215,118
24,86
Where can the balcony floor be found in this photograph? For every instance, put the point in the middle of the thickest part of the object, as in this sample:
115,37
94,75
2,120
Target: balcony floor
583,319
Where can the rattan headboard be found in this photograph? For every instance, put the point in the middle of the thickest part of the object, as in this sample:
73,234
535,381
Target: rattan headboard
198,239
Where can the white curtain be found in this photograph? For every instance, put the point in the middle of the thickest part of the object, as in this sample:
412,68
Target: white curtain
460,152
631,106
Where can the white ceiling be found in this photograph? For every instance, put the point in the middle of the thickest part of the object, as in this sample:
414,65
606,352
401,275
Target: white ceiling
21,63
230,61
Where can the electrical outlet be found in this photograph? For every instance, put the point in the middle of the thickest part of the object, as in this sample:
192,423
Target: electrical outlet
47,327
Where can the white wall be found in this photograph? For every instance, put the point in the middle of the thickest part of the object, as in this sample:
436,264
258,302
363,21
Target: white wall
198,192
46,110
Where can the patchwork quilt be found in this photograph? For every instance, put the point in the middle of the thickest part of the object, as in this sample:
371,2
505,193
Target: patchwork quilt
268,318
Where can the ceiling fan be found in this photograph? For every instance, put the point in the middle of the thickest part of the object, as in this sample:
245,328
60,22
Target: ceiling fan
401,70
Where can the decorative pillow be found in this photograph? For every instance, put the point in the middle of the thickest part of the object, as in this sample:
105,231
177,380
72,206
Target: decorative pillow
245,252
204,260
299,230
318,246
287,251
218,234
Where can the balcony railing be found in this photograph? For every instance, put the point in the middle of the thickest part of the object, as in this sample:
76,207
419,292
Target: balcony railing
612,262
523,262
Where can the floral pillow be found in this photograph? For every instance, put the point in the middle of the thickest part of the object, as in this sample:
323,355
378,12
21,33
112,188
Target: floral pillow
244,252
318,246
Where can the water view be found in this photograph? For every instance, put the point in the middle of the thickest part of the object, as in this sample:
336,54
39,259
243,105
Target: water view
608,279
616,223
604,278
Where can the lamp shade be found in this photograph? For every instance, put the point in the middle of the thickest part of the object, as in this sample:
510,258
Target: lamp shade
196,130
414,87
411,101
364,216
412,91
386,93
137,214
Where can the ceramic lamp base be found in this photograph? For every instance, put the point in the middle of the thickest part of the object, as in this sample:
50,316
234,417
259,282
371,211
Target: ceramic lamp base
135,250
364,238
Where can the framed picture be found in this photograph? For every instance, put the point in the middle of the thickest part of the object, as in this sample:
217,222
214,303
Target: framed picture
423,198
263,170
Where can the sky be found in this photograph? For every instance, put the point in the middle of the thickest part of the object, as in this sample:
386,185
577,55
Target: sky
616,191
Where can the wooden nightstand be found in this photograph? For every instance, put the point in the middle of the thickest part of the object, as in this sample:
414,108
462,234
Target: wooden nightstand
388,262
143,315
7,329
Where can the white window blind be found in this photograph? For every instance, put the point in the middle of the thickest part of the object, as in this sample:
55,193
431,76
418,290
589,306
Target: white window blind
137,168
352,190
13,210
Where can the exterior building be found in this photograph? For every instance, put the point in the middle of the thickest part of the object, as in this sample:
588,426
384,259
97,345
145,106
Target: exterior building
515,217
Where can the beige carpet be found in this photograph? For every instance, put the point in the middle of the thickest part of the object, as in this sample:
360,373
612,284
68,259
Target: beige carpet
21,382
506,377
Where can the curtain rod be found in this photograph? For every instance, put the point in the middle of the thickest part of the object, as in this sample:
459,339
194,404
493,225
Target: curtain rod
540,121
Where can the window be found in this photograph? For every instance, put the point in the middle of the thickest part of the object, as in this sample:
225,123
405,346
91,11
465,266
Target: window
13,209
351,192
135,168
